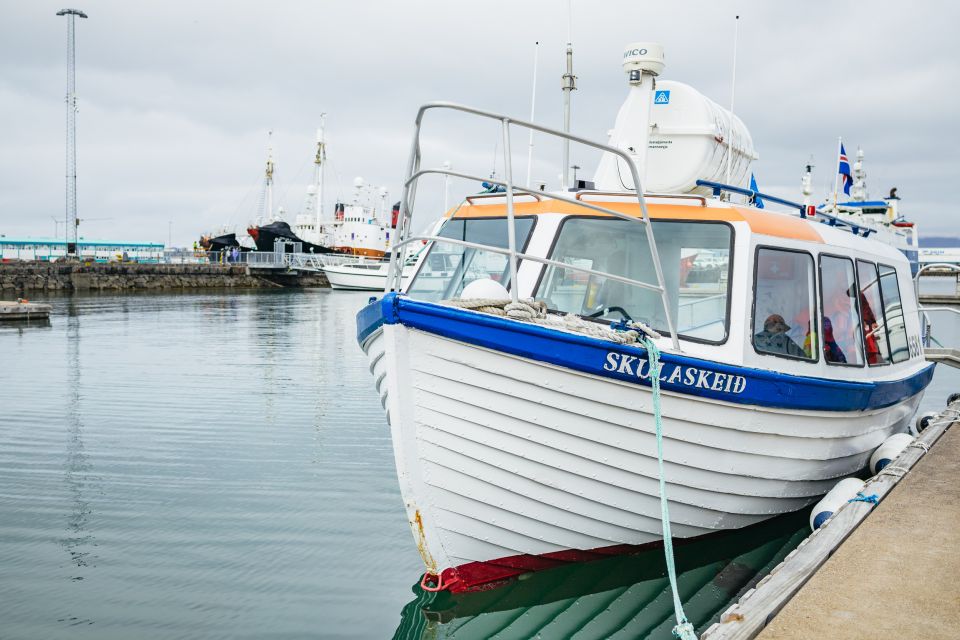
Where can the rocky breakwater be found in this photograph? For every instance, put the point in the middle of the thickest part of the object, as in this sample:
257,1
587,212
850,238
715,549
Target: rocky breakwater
77,276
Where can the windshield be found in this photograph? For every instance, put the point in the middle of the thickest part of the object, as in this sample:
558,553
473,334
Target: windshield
695,257
449,267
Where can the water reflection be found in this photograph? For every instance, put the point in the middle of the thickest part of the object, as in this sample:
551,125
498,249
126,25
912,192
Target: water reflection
623,597
78,540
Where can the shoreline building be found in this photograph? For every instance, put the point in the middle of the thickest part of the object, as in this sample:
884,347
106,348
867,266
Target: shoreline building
51,249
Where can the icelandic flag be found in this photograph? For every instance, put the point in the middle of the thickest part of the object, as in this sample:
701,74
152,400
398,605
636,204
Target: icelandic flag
845,170
757,201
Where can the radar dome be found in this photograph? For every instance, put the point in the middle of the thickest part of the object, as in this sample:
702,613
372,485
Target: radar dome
644,56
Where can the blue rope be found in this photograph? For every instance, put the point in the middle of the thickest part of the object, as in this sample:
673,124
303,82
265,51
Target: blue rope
684,630
872,498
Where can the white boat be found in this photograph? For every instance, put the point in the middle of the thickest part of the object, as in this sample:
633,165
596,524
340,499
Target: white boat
362,274
523,442
880,219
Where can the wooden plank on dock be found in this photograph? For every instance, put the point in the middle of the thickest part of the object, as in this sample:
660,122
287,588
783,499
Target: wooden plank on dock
812,616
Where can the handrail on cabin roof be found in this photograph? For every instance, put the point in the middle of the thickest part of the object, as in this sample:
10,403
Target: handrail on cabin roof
833,221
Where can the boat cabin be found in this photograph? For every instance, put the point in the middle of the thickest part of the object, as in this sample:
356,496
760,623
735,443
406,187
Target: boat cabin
746,286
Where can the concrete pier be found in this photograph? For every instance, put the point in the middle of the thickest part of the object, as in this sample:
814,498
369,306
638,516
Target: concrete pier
871,570
78,276
898,574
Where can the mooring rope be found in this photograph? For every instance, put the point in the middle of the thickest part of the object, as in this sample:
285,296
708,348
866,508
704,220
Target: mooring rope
627,332
684,629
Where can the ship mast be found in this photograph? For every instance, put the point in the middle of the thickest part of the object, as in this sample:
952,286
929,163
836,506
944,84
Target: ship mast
568,86
268,179
318,171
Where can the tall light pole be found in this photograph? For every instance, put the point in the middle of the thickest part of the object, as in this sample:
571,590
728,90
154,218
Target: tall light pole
71,222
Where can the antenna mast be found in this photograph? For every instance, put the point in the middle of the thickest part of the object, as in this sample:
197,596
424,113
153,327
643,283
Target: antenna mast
70,231
533,105
733,88
569,85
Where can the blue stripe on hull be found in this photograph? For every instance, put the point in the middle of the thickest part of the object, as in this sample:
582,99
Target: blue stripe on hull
682,374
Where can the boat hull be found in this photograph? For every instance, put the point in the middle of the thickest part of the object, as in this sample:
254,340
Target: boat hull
265,236
509,462
363,277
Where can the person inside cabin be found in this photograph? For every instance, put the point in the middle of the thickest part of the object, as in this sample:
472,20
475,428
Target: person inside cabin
831,350
774,338
870,329
802,321
839,311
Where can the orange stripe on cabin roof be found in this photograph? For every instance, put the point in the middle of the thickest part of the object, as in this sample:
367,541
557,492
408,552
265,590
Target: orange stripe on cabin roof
769,224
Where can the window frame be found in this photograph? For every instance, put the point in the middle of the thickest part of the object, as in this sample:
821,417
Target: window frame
753,303
680,336
433,243
886,332
856,283
886,325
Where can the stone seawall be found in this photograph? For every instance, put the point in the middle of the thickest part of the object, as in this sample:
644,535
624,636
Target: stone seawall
76,276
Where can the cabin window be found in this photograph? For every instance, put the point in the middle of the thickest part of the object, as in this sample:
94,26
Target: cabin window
783,304
695,257
840,317
876,348
893,311
450,267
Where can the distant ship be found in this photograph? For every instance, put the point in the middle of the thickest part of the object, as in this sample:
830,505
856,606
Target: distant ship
358,228
264,236
221,242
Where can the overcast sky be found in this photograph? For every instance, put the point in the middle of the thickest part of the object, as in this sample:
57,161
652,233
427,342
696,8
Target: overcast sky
176,98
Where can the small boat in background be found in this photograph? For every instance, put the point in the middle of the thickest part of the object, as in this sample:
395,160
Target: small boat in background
880,219
363,274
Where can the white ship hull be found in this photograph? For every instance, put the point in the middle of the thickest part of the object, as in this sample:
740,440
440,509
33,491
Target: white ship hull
504,460
365,276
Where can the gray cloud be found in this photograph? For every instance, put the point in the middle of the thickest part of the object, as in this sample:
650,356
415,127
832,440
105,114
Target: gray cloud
176,98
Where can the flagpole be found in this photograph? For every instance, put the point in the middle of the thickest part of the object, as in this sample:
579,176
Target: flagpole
836,178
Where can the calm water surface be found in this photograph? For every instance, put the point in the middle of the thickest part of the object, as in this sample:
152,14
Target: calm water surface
218,465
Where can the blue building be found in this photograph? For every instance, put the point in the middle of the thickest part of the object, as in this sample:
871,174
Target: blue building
96,250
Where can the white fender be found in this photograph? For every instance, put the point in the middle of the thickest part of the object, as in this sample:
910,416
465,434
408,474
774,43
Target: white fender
835,498
888,451
922,422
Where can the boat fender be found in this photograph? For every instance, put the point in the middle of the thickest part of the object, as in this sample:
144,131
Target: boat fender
888,451
837,497
922,422
485,288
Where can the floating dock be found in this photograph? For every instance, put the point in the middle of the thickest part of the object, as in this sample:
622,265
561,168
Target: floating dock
23,310
892,574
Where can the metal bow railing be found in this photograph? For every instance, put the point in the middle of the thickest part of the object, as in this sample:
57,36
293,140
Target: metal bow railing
414,173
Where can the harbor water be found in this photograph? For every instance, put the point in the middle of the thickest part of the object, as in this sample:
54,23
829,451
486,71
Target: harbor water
218,465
